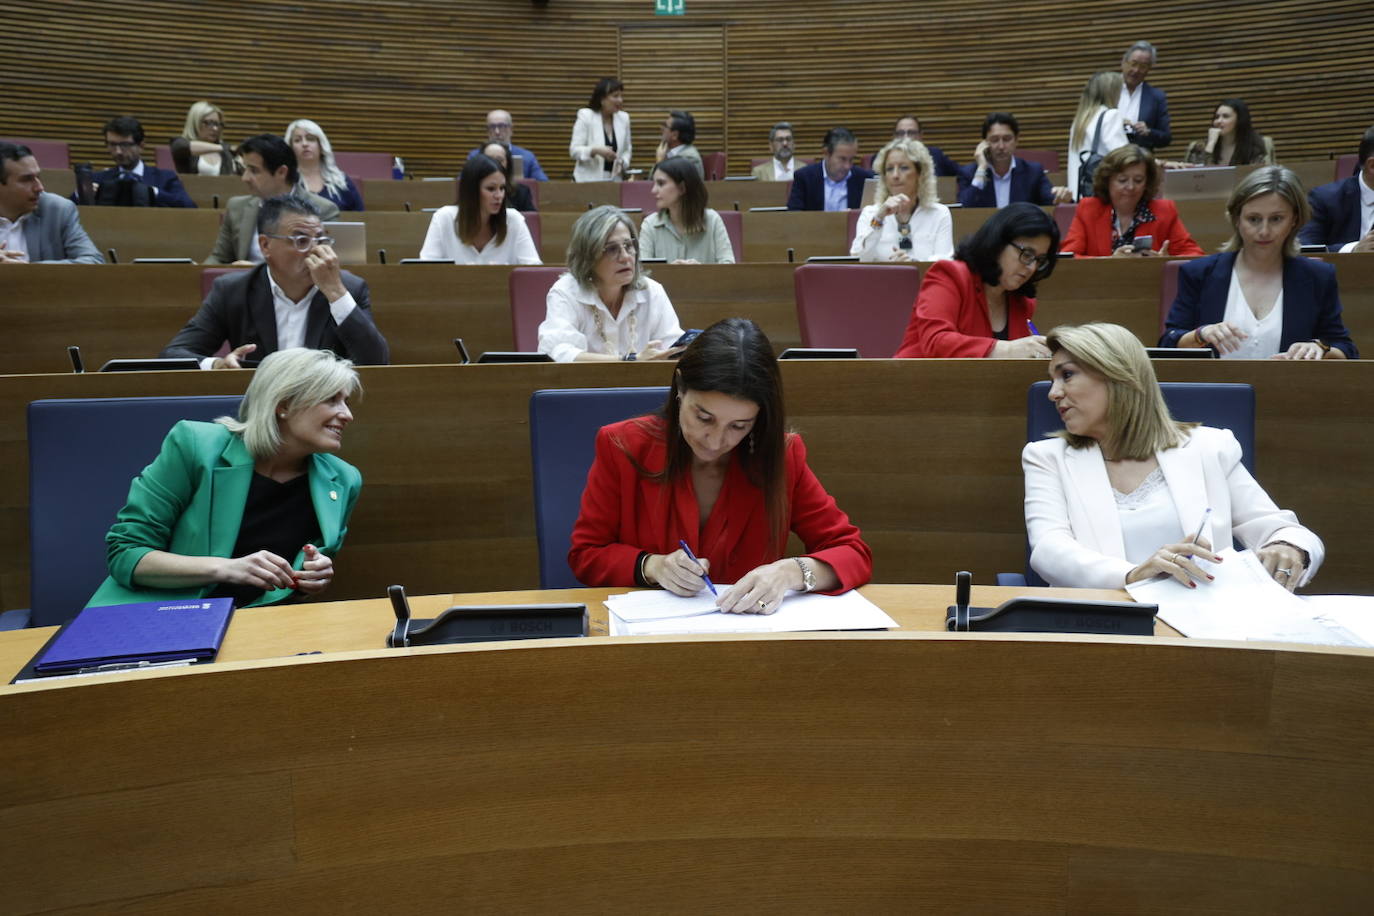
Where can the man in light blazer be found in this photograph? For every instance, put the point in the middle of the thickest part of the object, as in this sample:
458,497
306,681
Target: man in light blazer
269,170
1144,108
36,226
834,183
1343,211
782,164
298,298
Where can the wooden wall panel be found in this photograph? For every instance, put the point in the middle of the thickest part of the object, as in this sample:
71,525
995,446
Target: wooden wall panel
416,78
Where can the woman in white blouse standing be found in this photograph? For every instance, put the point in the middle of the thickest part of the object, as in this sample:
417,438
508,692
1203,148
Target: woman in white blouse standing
906,221
684,230
1119,494
1098,127
600,144
480,229
604,308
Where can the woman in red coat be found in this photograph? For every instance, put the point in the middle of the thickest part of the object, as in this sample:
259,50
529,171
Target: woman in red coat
1124,210
716,469
980,303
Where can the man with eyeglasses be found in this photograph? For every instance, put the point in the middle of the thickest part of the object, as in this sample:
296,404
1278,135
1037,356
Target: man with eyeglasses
679,136
1144,109
500,126
908,127
298,298
269,170
118,186
781,164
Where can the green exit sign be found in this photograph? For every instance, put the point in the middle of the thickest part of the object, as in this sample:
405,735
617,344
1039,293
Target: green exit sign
670,7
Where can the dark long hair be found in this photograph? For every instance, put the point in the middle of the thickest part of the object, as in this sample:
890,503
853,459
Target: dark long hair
693,202
733,357
470,179
982,251
1249,144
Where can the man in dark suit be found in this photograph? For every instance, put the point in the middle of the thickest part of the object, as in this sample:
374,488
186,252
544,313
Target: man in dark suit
1343,211
834,183
909,128
298,298
1144,108
124,141
997,178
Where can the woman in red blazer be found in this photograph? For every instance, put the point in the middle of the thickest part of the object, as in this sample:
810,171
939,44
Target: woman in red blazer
980,303
717,470
1124,208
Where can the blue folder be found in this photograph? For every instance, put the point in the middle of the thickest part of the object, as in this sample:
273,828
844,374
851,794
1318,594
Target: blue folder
151,631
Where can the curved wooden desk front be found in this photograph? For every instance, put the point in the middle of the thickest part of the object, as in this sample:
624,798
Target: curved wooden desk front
820,772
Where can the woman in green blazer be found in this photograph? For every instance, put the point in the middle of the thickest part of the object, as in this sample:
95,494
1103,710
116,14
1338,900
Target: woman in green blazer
224,504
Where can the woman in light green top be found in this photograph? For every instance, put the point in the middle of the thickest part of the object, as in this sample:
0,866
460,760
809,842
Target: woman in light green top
684,230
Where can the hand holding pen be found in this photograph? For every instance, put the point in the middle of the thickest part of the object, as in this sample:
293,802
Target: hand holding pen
680,572
1180,560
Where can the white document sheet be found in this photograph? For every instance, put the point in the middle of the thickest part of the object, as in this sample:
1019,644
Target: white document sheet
1350,614
656,612
1243,603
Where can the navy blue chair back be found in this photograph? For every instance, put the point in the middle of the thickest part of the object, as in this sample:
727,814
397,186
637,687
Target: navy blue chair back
563,426
82,455
1223,405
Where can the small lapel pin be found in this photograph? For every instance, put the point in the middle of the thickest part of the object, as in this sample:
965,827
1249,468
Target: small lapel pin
333,494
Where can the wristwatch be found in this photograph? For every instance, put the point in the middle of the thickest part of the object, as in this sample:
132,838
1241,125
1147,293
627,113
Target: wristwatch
1326,347
808,577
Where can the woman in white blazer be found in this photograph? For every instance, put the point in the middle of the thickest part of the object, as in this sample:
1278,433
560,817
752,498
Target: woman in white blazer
1097,119
600,144
1117,496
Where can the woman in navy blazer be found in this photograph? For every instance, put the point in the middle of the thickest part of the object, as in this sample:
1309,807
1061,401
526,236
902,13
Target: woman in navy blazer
1261,269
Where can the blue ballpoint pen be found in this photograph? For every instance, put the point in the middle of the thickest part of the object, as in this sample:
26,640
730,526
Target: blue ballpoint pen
693,557
1033,329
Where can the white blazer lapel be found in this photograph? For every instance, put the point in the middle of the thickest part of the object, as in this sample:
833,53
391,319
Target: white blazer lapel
1088,480
1183,471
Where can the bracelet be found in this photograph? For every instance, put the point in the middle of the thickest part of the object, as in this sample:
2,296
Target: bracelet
808,577
1197,332
1326,347
875,222
629,357
641,578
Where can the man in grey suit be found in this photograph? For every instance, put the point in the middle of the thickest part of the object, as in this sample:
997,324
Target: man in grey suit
36,226
269,170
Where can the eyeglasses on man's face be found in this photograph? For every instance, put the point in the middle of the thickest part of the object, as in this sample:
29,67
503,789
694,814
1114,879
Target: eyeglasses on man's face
304,242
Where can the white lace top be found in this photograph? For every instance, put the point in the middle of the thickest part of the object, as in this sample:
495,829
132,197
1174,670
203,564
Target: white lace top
1149,519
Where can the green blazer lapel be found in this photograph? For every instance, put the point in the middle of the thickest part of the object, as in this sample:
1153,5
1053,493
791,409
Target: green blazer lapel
328,496
228,496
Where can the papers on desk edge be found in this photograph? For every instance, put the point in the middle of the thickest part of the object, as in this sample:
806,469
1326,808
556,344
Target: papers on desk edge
660,613
1244,603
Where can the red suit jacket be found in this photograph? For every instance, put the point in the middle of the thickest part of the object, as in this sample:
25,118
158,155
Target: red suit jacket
951,315
624,512
1090,235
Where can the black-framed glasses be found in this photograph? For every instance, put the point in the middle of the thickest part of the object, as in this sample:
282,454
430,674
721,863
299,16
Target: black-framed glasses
1027,256
121,144
304,242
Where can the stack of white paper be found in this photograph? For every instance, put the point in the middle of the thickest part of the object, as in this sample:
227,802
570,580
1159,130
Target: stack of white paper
649,613
1242,603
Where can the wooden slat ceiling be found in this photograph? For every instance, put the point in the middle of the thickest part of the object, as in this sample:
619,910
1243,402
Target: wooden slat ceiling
416,78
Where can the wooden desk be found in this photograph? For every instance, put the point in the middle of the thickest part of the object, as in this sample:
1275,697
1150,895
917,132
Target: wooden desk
819,772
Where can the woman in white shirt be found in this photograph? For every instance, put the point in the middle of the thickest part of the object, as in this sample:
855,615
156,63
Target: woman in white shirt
1097,127
1118,495
604,308
480,230
906,221
600,144
684,230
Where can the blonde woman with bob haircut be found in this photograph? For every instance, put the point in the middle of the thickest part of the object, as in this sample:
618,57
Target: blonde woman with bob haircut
1098,127
201,150
906,221
251,508
1118,494
1258,299
605,307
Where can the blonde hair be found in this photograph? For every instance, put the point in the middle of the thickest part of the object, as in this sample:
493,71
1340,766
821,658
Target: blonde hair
291,380
198,112
333,175
915,150
1103,89
1271,179
1138,421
